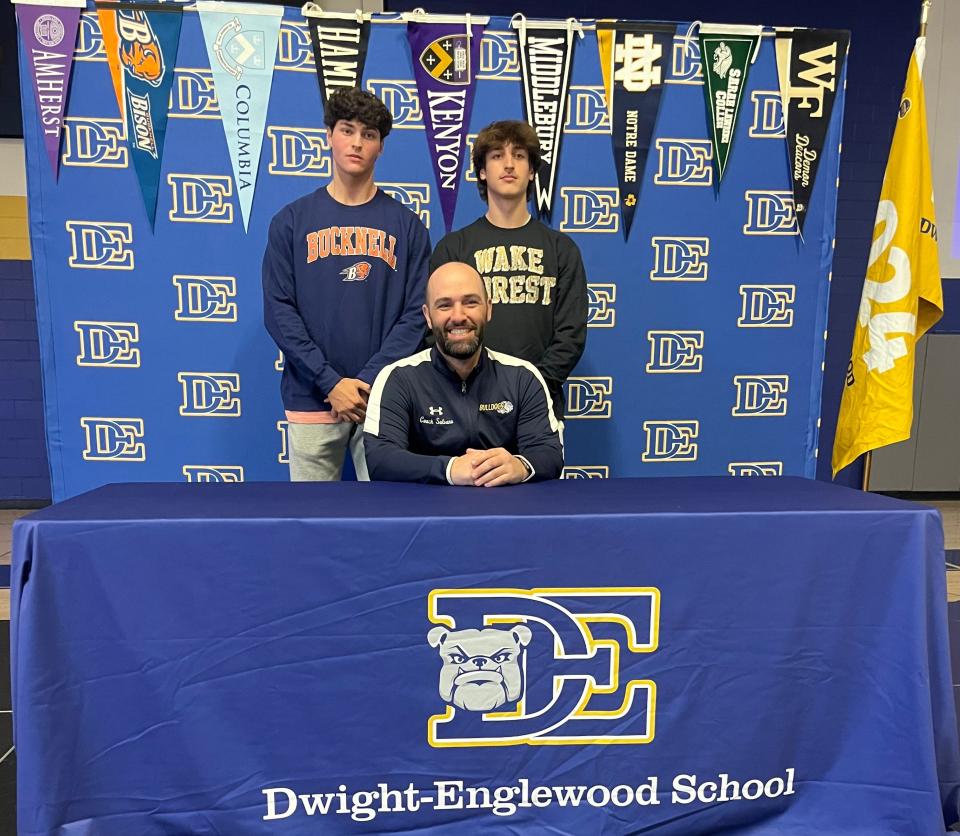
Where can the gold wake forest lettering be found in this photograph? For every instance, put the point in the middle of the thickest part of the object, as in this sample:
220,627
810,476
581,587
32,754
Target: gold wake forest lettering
803,158
514,275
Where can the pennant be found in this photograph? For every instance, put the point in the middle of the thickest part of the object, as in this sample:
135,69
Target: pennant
605,45
107,18
339,48
783,46
144,38
726,53
446,57
546,53
815,66
241,41
635,57
49,34
902,295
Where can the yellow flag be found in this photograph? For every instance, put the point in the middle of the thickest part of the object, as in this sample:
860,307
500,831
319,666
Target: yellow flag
902,296
605,45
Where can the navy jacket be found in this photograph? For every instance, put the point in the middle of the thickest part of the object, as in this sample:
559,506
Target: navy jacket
420,415
342,290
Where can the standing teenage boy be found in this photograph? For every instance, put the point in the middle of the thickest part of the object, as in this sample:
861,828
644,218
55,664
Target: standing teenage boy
343,279
534,275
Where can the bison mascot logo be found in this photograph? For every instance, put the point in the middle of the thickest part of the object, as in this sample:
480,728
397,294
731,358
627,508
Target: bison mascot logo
139,49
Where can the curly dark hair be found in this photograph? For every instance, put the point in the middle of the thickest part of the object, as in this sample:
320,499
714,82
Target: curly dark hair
356,105
498,135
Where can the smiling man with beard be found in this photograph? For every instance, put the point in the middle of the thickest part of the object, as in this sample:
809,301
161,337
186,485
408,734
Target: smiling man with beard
533,274
459,413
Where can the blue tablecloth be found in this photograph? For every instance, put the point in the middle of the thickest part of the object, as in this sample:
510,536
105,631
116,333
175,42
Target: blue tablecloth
679,656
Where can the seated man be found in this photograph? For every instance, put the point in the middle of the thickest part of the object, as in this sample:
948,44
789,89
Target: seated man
459,413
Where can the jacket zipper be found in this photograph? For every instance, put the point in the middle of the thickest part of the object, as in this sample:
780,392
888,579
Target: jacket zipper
474,429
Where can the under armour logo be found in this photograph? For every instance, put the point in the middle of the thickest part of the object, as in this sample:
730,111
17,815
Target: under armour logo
436,410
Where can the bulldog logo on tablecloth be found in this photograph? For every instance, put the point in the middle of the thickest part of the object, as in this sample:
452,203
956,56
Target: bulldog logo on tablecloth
481,668
559,665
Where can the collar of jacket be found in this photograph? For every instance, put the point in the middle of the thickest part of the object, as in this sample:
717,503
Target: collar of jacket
440,364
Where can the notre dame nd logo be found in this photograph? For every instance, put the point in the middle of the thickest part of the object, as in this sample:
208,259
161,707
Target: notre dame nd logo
108,344
113,439
543,666
100,245
210,394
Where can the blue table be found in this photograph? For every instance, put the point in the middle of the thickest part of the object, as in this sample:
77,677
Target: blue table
679,656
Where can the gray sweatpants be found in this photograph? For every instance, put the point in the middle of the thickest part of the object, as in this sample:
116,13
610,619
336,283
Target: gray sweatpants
317,451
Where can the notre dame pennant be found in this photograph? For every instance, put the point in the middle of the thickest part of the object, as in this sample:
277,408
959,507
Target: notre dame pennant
634,59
